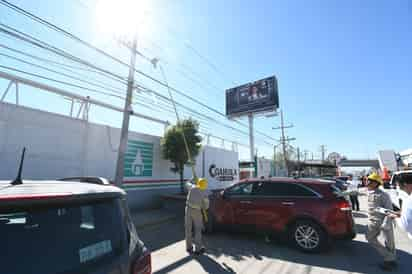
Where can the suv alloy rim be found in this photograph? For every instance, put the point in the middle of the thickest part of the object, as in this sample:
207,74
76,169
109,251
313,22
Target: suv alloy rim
306,237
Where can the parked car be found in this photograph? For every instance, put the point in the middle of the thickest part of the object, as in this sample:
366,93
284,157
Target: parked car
310,212
342,178
398,195
52,227
339,183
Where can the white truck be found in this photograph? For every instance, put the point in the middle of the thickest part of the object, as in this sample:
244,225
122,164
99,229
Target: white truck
397,195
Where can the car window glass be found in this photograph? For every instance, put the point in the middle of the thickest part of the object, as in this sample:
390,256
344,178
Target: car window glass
241,189
61,239
283,189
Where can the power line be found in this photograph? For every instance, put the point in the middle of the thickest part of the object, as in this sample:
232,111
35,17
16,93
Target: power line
63,65
82,87
185,70
194,111
61,82
60,73
73,37
159,47
43,45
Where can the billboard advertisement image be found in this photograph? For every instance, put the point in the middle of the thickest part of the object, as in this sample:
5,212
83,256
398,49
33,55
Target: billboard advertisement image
258,96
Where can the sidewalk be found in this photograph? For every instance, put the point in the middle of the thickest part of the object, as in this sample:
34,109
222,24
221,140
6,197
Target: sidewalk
146,218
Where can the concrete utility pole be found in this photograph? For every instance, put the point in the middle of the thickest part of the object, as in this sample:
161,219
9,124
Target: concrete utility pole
275,159
284,140
323,151
126,116
305,155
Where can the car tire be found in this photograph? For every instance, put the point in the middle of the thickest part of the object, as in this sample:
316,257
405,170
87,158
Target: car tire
308,236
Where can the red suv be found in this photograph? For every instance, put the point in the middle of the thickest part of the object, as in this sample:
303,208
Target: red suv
310,212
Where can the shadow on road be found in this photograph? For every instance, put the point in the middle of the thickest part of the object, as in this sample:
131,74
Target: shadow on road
158,237
208,264
211,266
340,256
359,215
348,256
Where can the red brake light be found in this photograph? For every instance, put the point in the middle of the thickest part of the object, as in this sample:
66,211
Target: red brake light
143,265
33,196
344,206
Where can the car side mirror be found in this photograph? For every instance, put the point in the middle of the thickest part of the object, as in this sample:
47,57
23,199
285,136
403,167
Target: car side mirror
224,194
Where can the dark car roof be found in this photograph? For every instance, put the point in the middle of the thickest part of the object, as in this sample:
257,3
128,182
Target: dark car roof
290,180
50,191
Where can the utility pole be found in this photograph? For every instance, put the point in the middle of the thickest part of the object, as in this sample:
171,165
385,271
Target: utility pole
284,140
275,159
126,116
323,151
305,155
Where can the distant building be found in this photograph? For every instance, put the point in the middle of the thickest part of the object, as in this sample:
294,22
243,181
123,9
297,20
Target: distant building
406,157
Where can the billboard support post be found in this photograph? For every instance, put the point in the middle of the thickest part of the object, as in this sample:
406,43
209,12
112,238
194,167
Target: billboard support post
251,137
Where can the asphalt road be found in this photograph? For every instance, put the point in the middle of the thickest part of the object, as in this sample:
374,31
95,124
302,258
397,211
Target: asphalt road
246,253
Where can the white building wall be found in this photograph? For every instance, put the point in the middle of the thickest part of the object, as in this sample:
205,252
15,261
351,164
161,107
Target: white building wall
60,146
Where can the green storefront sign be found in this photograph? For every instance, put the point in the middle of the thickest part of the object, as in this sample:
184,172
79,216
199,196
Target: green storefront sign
138,161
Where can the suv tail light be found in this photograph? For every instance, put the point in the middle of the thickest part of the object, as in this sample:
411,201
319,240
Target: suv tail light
344,206
143,265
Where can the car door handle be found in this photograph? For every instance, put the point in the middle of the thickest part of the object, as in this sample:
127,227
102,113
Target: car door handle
245,202
288,203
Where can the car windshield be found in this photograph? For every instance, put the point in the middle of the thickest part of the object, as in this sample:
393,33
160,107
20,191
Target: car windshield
66,239
337,189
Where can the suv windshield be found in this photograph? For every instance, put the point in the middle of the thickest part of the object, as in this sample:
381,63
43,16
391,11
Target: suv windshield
66,239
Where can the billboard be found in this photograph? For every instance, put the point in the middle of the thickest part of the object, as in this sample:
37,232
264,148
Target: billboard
258,96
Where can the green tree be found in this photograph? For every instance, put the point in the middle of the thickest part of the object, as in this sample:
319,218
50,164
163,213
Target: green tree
173,146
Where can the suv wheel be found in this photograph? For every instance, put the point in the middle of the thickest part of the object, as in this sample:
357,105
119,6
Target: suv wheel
308,236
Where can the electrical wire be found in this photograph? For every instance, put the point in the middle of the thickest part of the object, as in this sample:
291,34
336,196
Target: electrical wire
62,82
61,73
73,37
43,45
63,65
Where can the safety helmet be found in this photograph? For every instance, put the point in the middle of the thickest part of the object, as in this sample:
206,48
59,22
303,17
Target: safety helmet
202,183
375,178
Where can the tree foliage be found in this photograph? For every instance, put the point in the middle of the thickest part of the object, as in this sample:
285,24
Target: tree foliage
173,146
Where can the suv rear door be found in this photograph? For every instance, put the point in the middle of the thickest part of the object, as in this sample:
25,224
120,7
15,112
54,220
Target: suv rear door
67,238
276,203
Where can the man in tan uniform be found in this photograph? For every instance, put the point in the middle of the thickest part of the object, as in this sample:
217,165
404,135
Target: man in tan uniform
379,222
197,201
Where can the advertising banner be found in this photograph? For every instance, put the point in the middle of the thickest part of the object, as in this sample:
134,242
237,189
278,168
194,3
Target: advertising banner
258,96
220,167
138,160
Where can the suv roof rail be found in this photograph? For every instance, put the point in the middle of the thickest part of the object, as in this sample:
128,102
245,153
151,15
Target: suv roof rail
87,179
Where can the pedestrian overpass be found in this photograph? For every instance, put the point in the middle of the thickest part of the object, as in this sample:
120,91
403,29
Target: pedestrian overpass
360,163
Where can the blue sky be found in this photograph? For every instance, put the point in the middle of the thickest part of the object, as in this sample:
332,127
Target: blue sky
343,66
